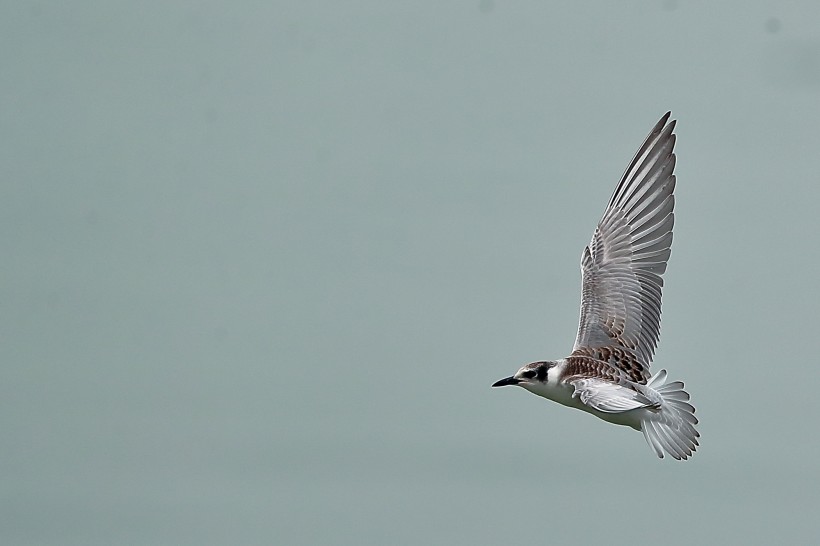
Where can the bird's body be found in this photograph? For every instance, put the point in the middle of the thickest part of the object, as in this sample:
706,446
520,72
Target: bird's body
607,373
557,389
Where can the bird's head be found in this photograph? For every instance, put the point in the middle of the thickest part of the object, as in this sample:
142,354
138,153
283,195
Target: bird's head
529,375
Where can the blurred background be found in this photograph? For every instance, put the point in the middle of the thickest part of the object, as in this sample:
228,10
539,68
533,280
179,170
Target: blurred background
263,260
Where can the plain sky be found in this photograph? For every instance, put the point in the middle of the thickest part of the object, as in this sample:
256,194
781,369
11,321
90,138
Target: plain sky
263,260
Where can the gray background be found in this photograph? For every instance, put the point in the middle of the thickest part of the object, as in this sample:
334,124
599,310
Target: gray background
262,262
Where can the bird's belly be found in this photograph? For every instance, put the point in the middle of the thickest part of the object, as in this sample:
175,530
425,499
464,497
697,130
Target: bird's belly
562,394
557,393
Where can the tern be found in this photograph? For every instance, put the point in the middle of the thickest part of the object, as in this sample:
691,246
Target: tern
607,373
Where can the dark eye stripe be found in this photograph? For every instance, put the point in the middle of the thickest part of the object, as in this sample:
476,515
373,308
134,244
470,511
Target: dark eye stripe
542,373
529,374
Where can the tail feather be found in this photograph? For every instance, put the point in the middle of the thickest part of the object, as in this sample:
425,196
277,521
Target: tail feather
671,429
668,442
654,445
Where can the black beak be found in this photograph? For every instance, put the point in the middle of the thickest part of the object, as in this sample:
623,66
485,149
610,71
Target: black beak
506,381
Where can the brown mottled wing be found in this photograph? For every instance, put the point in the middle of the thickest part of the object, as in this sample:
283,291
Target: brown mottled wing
621,362
601,385
623,264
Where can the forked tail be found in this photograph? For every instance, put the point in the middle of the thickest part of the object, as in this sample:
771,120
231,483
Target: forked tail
672,427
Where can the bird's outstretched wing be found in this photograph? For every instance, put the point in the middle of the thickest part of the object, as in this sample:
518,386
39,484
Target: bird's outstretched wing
623,264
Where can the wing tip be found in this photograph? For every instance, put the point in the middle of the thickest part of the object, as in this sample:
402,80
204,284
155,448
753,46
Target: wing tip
665,120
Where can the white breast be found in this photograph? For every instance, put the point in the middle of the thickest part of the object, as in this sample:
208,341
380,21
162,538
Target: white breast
562,393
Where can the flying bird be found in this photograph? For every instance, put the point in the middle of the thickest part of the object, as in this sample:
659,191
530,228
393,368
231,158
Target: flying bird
607,373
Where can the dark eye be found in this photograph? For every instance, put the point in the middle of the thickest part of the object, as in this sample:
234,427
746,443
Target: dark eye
529,374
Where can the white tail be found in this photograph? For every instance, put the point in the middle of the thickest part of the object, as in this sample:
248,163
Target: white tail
672,427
